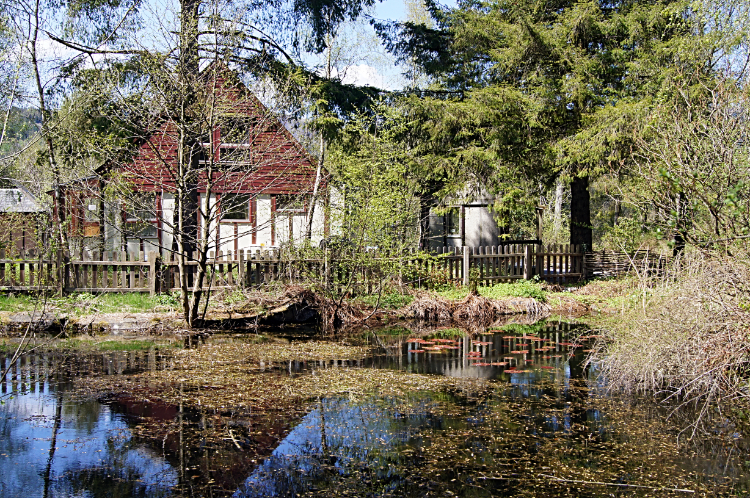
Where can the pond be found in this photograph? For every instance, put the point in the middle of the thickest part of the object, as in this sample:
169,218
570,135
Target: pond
514,411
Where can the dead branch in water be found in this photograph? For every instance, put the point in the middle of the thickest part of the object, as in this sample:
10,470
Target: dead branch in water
429,308
332,312
616,484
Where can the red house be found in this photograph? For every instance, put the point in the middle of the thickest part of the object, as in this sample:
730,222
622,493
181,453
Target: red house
253,181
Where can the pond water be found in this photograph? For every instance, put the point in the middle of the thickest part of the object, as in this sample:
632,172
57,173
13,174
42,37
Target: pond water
525,417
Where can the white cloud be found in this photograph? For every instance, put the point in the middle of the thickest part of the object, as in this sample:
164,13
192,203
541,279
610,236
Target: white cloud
363,74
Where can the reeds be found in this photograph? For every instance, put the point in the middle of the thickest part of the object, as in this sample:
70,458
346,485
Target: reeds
686,334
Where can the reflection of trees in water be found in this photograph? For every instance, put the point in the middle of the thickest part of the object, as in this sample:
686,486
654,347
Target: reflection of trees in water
72,448
507,433
339,439
34,368
211,451
123,472
493,444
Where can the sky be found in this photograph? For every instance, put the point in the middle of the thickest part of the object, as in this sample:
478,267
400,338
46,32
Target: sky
391,9
378,68
366,63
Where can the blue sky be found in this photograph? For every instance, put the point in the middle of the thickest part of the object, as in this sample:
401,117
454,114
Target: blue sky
390,9
368,63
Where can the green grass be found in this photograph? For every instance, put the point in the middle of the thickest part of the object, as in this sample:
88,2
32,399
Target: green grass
21,302
521,288
455,294
7,348
389,301
84,304
134,345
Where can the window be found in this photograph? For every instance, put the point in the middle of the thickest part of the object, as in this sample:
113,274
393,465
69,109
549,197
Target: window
227,155
236,130
230,155
235,207
141,216
141,230
290,202
142,208
203,154
453,222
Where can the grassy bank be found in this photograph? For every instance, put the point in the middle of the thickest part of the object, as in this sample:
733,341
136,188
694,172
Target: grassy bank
243,302
684,335
84,304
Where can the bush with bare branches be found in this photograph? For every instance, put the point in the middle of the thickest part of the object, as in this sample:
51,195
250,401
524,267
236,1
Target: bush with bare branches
687,337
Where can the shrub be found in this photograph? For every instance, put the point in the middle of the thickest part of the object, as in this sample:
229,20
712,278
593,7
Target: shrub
687,335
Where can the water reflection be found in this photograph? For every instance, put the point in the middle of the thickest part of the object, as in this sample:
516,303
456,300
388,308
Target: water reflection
335,436
52,446
539,416
429,444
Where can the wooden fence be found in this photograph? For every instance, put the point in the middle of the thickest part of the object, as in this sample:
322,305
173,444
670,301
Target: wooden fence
605,264
127,272
555,263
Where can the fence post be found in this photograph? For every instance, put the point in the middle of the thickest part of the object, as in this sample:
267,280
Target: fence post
583,263
241,268
527,262
539,266
466,265
154,268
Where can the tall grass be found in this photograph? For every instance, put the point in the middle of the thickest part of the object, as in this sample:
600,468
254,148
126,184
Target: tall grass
687,336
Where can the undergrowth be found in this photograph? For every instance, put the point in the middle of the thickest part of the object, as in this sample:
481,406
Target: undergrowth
388,301
521,288
683,334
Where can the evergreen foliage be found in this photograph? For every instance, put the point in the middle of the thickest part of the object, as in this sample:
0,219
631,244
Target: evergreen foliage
525,92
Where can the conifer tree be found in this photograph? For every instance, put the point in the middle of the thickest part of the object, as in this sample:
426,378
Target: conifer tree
528,91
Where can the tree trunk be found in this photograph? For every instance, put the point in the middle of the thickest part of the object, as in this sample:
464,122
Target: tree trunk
559,192
680,222
425,204
318,173
46,116
102,218
186,198
580,212
322,151
617,212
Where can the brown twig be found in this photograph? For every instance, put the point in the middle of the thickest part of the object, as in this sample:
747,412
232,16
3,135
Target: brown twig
617,484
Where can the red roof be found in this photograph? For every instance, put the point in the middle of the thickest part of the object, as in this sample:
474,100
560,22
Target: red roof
273,161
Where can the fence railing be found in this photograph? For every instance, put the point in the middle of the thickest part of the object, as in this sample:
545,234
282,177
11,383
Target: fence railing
148,272
603,264
555,263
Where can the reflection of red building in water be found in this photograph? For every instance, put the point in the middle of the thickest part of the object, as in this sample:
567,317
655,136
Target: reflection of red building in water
261,180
